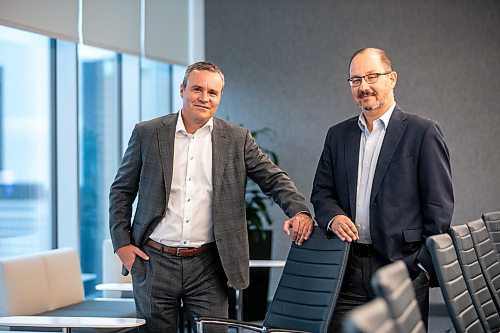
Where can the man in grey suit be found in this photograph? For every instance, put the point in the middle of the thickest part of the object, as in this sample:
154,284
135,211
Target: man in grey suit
188,239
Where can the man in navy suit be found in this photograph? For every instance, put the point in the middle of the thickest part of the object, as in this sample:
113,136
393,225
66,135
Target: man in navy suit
383,182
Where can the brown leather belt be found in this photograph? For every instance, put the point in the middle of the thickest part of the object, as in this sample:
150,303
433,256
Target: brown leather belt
180,251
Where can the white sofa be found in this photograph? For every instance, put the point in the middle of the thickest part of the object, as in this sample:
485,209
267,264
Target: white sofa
50,283
36,283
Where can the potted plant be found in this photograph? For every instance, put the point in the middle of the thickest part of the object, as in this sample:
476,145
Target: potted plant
260,238
256,202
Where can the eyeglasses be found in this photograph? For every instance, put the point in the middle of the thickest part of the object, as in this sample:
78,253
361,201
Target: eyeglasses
369,78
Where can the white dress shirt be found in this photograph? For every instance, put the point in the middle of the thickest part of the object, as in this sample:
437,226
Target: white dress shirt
188,218
369,150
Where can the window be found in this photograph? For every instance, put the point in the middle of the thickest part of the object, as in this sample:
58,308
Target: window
99,148
155,89
160,88
39,148
25,143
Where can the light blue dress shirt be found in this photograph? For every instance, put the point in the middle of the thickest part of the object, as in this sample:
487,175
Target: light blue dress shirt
369,150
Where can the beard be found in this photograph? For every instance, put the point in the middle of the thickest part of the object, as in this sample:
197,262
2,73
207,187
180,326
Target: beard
370,107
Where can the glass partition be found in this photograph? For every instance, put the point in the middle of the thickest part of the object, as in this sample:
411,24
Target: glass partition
99,149
25,143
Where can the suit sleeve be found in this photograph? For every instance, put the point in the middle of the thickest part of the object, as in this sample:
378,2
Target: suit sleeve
435,182
324,193
435,186
273,181
124,191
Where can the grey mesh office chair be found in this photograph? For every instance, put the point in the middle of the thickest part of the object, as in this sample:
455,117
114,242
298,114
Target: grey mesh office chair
456,296
372,317
488,259
474,279
492,221
307,291
393,283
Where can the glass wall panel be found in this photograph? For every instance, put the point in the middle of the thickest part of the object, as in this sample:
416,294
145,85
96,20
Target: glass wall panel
177,77
99,149
155,89
25,143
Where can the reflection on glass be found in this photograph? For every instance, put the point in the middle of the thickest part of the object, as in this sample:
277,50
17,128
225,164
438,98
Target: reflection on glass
98,149
177,77
25,143
156,89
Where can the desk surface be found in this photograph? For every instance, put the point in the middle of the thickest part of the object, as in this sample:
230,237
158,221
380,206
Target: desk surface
119,286
267,263
70,322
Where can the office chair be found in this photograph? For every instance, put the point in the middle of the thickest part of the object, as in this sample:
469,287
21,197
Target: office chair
492,221
456,296
474,278
488,260
393,283
307,291
372,317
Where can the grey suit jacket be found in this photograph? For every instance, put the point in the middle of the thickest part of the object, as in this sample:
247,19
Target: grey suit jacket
146,172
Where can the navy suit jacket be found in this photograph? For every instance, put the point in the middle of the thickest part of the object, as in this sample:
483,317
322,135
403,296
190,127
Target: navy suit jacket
412,193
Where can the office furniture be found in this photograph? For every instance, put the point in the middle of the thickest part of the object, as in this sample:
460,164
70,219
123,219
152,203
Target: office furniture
456,296
307,291
49,284
372,317
492,221
66,324
488,260
393,283
474,279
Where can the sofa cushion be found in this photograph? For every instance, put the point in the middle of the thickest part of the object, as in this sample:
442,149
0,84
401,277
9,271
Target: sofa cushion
120,308
64,277
23,286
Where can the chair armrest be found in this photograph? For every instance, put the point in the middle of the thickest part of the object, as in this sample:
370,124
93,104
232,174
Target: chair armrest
279,330
200,321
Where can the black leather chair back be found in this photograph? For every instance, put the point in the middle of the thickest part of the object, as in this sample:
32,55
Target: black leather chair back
456,296
372,317
393,283
310,284
474,278
492,221
488,259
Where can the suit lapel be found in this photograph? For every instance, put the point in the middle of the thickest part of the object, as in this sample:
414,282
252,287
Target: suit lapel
393,135
220,143
166,139
351,153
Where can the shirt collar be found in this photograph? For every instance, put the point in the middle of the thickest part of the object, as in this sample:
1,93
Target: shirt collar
179,127
384,118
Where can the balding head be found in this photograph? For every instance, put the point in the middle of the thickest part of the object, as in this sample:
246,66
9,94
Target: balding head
384,58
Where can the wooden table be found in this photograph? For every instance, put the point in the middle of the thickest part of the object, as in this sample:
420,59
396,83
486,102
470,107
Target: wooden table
67,323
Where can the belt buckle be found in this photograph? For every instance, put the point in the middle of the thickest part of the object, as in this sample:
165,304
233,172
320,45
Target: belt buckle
178,251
